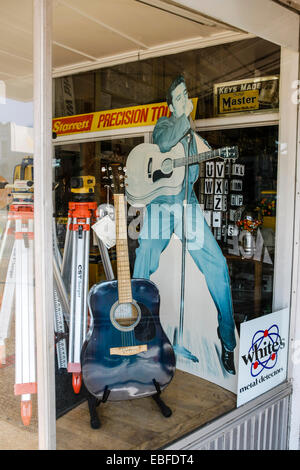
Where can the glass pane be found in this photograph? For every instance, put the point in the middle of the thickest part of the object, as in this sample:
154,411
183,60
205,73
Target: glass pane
247,233
18,390
82,178
196,310
146,81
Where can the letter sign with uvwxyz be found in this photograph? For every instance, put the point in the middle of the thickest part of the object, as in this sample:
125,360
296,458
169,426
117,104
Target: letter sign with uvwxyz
220,203
219,186
208,186
210,169
220,169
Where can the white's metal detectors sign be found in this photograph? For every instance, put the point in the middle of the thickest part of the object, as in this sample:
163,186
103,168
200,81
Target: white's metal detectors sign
263,355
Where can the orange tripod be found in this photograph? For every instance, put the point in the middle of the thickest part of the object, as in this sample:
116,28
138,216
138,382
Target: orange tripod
75,273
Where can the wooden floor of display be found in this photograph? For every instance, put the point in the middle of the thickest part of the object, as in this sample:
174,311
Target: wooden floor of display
136,424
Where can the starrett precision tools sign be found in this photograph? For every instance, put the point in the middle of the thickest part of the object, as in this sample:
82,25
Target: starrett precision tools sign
251,94
134,116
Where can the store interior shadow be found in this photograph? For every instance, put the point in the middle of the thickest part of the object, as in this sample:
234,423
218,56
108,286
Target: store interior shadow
66,399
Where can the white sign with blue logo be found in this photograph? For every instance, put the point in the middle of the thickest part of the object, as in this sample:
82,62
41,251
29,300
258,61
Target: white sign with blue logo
263,355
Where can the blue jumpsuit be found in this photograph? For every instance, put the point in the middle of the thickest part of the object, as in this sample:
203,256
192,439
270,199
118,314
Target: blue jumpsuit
205,251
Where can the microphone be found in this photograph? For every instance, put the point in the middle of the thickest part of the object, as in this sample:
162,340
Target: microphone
190,130
188,133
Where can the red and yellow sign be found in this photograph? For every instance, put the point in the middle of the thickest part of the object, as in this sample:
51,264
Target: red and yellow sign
135,116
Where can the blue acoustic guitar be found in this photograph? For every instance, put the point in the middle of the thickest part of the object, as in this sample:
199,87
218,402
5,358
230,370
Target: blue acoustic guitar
127,354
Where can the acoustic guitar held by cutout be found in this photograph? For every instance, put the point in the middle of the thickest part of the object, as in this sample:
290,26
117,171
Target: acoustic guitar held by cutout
152,173
127,354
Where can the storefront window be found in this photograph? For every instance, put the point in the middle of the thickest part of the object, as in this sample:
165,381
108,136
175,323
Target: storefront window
208,284
18,390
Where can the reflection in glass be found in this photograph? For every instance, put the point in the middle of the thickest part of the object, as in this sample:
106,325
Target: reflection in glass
18,390
249,241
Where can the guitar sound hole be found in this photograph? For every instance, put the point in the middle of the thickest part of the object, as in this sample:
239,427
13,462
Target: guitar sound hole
125,316
167,166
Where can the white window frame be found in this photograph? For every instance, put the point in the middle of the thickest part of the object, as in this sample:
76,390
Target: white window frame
42,83
249,16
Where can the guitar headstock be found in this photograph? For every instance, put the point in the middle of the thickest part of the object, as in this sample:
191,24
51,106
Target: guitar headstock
229,153
117,176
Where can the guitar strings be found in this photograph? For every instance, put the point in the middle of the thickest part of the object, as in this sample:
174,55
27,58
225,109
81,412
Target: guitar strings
127,337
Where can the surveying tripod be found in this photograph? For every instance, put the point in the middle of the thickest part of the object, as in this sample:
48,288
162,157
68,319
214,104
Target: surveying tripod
61,306
18,240
75,268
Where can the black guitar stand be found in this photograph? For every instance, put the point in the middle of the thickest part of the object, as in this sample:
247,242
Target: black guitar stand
166,411
94,402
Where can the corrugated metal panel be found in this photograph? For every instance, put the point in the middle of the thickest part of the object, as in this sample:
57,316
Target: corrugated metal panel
266,430
260,427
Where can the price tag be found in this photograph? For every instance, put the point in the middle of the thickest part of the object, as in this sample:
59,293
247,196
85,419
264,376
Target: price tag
105,229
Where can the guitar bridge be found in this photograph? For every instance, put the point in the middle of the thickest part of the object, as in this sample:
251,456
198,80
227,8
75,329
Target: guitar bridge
128,350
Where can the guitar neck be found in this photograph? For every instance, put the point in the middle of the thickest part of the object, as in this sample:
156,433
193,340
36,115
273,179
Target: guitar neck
123,268
200,157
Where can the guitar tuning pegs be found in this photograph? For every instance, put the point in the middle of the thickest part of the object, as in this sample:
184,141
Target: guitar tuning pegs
124,169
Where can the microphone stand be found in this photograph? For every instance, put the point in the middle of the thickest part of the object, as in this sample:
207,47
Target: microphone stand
178,335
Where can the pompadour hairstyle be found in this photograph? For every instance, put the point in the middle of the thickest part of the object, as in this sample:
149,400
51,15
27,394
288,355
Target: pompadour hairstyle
174,84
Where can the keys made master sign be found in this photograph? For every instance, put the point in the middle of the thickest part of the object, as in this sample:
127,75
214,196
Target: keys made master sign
246,95
239,101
